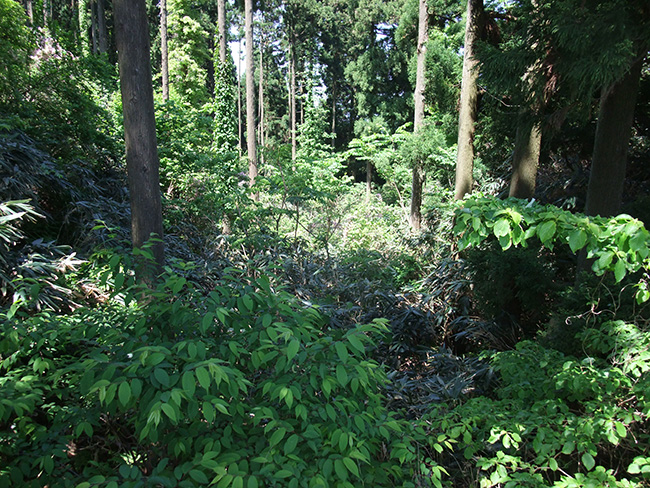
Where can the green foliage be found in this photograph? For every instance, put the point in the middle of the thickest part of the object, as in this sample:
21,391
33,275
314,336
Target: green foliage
188,53
15,46
618,244
558,420
241,387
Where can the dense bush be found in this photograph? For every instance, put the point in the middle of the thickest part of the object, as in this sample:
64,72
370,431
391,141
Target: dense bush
241,387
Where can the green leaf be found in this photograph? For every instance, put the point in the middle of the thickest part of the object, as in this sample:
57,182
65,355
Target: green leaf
340,470
552,463
291,444
619,270
352,466
204,377
277,436
283,473
502,228
169,411
124,393
252,482
178,285
577,240
341,375
342,351
546,231
248,302
199,476
356,343
588,461
162,376
292,349
189,383
568,448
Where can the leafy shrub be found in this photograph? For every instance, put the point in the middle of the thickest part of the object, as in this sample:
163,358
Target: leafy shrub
557,420
241,388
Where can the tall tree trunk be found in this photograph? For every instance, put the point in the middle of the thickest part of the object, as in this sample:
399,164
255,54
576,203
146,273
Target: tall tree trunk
368,179
250,94
164,50
292,98
525,159
468,101
239,108
223,35
29,8
46,12
93,24
333,126
101,27
132,39
415,216
260,108
613,131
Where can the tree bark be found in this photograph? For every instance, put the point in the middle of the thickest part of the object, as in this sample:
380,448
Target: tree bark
292,99
260,108
46,12
223,35
525,160
415,216
468,101
29,8
132,39
101,27
93,26
239,108
250,95
164,50
613,131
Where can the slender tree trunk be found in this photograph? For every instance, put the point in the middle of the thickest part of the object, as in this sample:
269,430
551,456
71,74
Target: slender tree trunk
250,95
93,25
415,216
613,132
239,108
468,101
525,159
292,98
368,179
46,12
260,108
101,27
29,8
223,35
132,39
164,50
333,126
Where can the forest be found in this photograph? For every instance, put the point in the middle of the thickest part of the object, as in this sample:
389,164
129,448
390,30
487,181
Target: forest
324,243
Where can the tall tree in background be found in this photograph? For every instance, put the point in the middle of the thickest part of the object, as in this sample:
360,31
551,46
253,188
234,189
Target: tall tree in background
613,133
250,93
468,100
221,30
132,39
164,50
420,86
102,31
